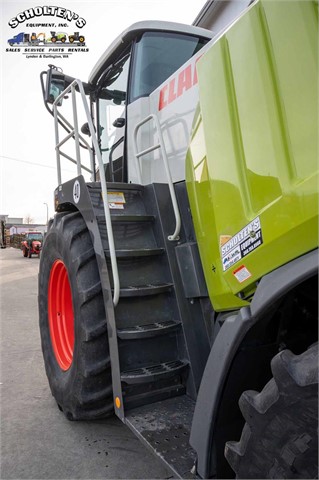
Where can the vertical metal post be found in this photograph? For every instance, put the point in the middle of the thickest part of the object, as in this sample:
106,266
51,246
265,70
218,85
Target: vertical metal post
44,203
137,158
92,164
57,152
76,131
94,118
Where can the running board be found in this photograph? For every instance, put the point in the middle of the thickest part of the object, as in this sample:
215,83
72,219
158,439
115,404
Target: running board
164,427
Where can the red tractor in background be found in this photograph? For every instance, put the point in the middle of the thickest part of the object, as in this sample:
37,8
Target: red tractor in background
32,244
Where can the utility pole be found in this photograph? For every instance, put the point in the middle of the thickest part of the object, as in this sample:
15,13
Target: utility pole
44,203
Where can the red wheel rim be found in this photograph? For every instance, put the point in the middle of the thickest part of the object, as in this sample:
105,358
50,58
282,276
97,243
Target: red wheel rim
61,317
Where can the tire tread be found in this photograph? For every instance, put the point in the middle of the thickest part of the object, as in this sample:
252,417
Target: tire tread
273,444
85,390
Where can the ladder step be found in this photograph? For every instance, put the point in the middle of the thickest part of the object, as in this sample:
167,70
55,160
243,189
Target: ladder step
143,290
152,373
146,331
137,252
118,218
149,396
116,186
124,187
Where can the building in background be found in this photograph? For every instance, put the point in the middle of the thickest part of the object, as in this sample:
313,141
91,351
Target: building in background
11,226
24,227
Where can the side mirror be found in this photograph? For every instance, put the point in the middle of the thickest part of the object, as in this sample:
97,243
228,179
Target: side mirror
119,122
86,130
55,84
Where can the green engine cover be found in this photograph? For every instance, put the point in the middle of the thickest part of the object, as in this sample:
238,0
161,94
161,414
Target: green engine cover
252,165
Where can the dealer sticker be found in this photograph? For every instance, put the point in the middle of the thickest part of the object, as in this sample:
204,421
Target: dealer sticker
244,242
242,273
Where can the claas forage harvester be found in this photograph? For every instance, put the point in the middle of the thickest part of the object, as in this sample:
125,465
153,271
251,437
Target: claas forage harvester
178,280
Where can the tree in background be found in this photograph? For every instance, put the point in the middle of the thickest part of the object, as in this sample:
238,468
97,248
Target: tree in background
28,219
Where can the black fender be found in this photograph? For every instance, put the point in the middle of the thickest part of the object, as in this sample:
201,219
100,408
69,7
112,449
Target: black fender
271,288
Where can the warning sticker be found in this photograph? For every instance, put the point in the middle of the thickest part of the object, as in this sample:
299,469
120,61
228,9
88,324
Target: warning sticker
115,197
241,244
118,206
116,200
242,273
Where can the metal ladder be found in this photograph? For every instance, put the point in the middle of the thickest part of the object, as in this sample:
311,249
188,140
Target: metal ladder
74,133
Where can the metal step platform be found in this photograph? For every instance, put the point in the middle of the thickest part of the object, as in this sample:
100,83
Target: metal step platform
164,427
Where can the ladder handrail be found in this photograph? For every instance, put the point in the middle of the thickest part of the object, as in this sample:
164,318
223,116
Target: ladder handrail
78,137
161,146
58,115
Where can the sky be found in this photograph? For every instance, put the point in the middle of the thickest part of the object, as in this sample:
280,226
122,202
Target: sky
27,158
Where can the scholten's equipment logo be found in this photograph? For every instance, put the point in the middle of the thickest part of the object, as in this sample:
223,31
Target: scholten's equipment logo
60,41
47,11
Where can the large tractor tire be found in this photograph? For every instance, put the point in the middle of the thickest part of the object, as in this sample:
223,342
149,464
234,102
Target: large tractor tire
280,437
72,318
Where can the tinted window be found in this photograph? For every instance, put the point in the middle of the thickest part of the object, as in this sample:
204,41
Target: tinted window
157,56
34,236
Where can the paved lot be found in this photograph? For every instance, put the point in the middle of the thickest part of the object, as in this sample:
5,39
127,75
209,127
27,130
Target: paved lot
37,442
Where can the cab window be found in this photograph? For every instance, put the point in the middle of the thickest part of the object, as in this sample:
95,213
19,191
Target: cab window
112,99
157,55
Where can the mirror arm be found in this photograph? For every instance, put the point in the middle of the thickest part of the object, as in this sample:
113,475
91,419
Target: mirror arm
87,88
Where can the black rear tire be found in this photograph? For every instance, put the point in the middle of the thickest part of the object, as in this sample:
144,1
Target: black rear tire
84,390
280,437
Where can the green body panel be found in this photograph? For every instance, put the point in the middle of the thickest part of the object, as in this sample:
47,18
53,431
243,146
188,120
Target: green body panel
254,152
